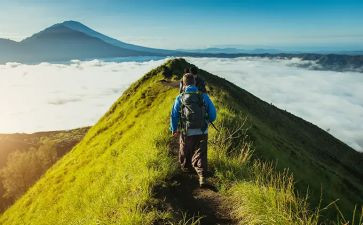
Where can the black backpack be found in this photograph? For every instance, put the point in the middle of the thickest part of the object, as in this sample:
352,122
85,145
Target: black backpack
193,114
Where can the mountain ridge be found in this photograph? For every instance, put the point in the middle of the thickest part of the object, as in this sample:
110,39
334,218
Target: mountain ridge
82,28
101,46
61,43
126,155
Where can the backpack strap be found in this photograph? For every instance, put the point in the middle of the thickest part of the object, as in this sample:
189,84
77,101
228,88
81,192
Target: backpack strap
182,124
181,87
202,104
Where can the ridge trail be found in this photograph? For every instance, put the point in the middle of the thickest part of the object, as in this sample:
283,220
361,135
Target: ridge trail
183,197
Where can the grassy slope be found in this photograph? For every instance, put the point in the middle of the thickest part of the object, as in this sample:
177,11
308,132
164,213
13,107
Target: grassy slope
109,176
64,139
318,160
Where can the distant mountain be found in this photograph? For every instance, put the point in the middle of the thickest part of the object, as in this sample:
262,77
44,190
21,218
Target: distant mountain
8,50
270,51
74,25
359,52
334,62
7,43
73,40
66,41
232,51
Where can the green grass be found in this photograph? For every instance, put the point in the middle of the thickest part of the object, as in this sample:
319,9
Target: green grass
323,166
28,147
110,176
64,140
259,194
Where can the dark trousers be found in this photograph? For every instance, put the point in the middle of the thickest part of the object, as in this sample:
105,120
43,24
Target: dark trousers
193,153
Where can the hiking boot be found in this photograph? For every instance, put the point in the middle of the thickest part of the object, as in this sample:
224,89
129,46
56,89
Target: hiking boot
202,182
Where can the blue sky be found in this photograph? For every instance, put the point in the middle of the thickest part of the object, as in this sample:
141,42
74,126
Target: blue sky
176,24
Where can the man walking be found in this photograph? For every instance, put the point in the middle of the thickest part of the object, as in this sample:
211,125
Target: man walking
199,82
191,113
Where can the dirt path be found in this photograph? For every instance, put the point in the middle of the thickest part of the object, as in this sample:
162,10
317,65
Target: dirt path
185,196
182,195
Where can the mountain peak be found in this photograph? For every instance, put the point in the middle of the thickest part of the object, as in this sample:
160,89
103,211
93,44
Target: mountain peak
68,40
78,26
72,22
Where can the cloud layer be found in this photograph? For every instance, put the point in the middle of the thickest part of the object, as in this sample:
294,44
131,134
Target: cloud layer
62,96
331,100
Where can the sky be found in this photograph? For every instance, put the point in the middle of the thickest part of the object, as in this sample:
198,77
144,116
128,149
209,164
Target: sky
175,24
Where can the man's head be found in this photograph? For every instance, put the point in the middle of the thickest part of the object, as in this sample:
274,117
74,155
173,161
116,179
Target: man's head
193,70
188,79
186,70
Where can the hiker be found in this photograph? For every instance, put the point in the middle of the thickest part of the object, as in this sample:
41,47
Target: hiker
199,82
191,113
186,70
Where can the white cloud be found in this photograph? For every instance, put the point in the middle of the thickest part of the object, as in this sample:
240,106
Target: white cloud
331,100
62,96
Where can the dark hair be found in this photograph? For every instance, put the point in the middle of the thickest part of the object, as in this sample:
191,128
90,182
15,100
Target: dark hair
166,72
193,70
186,70
188,79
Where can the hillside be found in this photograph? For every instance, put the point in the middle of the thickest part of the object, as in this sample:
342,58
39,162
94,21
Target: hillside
26,147
116,173
65,140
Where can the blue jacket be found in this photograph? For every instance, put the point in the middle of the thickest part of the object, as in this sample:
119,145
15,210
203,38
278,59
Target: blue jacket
175,112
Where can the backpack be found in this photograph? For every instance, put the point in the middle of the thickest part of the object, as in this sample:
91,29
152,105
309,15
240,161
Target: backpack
193,113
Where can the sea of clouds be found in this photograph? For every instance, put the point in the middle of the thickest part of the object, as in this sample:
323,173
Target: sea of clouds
63,96
331,100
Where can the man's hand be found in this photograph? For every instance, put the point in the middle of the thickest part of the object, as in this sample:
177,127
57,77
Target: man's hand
175,133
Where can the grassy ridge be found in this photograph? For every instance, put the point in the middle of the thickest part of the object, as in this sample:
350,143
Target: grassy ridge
26,146
320,163
108,178
259,194
64,139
